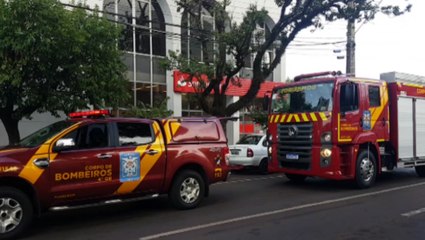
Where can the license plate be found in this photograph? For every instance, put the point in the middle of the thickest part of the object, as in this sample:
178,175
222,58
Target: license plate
292,156
234,152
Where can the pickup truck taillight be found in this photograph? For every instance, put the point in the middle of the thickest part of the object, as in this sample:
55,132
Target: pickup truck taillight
226,152
249,152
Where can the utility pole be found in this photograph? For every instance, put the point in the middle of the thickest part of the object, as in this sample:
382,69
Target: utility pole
351,44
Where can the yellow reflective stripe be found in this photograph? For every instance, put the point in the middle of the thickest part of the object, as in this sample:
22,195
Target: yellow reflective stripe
289,118
323,116
276,118
376,112
31,172
271,118
146,161
282,119
297,118
305,118
313,117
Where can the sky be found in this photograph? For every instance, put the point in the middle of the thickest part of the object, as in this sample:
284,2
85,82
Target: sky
385,44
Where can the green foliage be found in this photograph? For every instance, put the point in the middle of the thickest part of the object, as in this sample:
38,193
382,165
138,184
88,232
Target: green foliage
259,116
53,59
159,110
235,42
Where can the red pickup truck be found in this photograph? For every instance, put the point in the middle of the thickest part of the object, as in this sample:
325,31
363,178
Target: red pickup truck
92,158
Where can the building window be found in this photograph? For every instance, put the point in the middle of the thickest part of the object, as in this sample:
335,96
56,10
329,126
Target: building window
143,41
193,35
259,35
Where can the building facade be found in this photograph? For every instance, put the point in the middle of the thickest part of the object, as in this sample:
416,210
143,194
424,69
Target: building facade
151,29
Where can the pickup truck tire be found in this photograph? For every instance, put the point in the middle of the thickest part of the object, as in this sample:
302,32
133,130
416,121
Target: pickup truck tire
366,169
16,212
188,190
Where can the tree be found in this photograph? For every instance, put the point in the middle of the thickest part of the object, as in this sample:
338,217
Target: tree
53,59
235,42
158,110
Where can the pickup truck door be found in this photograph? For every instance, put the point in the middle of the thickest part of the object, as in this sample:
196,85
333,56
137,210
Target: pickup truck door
141,147
84,165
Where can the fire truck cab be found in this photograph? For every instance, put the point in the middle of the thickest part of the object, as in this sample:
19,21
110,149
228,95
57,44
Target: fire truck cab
339,127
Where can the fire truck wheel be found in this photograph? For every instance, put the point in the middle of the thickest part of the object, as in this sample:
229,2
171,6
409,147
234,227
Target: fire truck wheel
420,170
366,169
188,190
295,177
16,212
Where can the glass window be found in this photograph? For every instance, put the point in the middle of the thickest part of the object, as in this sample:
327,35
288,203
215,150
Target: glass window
44,134
349,97
142,29
250,139
193,34
125,17
89,136
305,98
133,134
374,97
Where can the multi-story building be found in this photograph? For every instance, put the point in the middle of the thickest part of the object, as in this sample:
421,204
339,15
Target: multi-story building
151,29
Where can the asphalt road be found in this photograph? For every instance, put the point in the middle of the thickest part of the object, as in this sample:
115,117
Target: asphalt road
253,206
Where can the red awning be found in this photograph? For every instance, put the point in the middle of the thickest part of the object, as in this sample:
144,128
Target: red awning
183,86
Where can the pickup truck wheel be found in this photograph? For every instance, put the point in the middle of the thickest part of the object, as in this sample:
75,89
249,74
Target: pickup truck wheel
420,170
366,169
188,190
16,212
295,177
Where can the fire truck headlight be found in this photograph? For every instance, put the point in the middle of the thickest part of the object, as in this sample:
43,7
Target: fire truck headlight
326,153
326,137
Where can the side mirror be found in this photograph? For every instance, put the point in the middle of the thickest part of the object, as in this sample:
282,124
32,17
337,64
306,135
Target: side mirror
64,144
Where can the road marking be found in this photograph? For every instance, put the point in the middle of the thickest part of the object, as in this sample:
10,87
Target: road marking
413,213
249,180
279,211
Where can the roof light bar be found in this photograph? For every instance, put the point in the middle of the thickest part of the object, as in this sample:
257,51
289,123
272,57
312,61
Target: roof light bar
90,113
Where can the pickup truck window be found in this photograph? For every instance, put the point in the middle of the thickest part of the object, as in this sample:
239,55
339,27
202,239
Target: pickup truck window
195,131
44,134
133,134
90,136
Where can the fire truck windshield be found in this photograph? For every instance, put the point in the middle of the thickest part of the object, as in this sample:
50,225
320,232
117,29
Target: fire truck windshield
304,98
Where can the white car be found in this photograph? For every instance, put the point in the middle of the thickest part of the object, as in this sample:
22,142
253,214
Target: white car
250,151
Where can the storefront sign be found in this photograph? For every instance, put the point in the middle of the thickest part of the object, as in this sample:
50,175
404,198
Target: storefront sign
182,85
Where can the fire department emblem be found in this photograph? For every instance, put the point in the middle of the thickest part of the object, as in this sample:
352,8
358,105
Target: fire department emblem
129,166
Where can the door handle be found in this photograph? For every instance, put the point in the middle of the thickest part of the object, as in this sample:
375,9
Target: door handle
151,152
103,155
41,162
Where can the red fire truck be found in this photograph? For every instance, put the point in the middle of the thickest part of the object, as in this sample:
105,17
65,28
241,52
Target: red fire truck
340,127
95,159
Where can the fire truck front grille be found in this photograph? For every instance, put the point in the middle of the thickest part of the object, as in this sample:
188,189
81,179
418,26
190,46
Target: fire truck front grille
294,145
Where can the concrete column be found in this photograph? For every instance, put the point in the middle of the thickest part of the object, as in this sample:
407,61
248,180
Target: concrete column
175,99
232,127
170,14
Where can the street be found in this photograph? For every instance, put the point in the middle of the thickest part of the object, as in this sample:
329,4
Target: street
254,206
